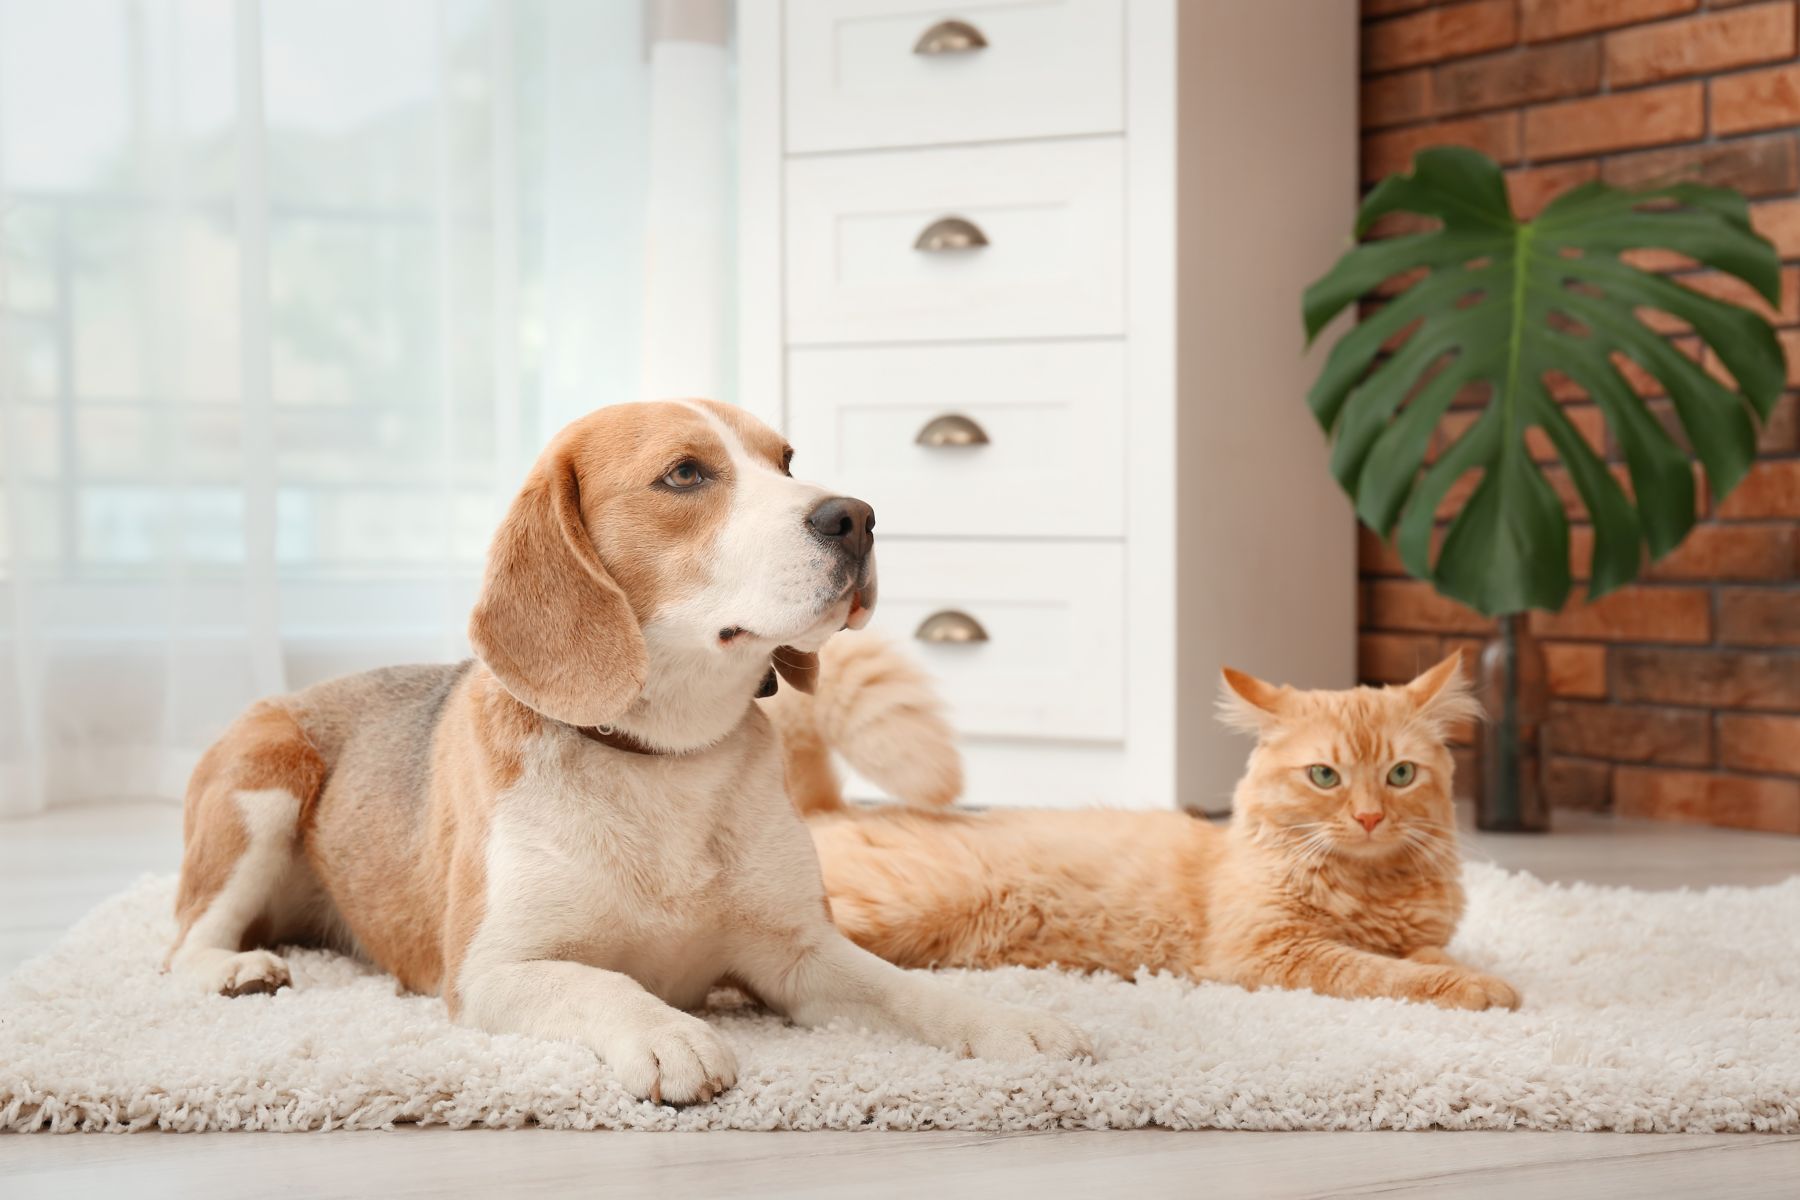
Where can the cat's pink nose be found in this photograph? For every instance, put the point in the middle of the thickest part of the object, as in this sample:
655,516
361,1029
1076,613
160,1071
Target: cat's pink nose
1369,820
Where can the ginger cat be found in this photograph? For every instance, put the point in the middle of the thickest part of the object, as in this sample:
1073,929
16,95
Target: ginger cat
1338,871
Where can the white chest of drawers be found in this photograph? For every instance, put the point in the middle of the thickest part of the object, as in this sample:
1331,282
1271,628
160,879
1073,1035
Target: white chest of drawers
1025,275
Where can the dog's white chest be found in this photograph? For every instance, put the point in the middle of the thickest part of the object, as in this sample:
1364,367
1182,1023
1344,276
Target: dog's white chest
630,871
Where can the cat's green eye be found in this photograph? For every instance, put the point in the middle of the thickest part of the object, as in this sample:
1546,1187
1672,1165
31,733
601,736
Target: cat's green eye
1402,774
1322,776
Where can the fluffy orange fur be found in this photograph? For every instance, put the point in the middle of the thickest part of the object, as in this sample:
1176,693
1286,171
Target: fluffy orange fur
873,705
1338,871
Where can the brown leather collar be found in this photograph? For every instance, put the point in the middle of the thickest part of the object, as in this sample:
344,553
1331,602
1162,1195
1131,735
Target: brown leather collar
606,735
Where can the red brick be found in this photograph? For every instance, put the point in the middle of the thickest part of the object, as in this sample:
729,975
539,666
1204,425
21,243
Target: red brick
1702,44
1546,19
1732,552
1760,743
1621,733
1387,8
1717,678
1471,650
1764,166
1396,99
1771,489
1646,384
1586,419
1743,802
1578,783
1759,616
1588,422
1662,322
1657,260
1790,348
1436,34
1515,78
1636,614
1375,556
1496,136
1779,221
1395,284
1730,288
1766,99
1781,432
1399,224
1412,604
1576,669
1581,550
1457,495
1531,188
1395,657
1562,388
1623,120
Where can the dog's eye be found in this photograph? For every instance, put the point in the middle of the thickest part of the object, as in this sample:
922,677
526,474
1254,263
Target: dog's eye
1322,776
787,461
683,475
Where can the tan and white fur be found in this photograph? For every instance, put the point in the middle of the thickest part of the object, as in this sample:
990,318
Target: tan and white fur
576,835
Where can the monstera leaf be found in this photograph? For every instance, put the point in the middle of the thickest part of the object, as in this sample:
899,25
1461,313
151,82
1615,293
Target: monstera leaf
1502,302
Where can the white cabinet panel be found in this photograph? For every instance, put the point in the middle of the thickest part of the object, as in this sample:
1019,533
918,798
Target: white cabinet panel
1052,465
1052,265
854,79
1052,664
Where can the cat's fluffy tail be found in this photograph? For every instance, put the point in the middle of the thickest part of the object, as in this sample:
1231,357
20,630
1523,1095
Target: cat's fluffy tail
875,707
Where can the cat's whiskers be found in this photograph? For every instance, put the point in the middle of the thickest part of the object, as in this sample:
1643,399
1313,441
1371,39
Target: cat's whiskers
1432,851
1307,856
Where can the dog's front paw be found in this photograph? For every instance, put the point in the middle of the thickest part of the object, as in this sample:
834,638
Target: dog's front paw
677,1060
1004,1032
244,974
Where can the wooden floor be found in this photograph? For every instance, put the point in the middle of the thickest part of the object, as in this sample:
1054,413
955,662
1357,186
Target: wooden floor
53,868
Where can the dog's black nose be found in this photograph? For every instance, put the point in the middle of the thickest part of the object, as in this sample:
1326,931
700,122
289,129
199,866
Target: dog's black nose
846,522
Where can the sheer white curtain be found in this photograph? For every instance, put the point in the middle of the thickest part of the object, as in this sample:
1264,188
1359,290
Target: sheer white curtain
290,293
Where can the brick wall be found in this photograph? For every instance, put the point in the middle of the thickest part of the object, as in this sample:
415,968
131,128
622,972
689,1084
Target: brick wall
1677,698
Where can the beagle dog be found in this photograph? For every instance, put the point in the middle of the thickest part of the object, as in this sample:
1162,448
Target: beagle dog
580,832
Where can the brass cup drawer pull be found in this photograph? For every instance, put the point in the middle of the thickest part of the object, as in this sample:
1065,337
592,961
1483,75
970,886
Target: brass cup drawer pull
951,429
950,626
950,37
950,233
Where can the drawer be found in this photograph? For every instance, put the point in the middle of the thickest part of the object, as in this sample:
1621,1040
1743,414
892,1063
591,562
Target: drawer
1049,662
860,73
1047,420
1049,214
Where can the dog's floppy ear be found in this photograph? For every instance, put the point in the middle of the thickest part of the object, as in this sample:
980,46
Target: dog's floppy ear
799,667
550,622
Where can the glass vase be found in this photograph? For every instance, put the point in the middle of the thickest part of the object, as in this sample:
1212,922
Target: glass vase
1516,696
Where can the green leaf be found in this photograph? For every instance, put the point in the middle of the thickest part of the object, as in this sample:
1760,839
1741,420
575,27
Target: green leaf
1503,302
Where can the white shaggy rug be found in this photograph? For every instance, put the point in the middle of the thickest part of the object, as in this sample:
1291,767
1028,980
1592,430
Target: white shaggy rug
1643,1011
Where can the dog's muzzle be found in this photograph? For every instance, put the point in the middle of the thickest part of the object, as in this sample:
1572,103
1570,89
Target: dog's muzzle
847,526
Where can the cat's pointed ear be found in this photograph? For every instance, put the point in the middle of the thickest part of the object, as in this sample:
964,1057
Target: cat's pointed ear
1442,696
1249,703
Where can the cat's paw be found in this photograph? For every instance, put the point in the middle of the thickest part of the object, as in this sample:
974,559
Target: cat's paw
1474,991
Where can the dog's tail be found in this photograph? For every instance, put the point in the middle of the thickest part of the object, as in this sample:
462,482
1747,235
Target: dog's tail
875,707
